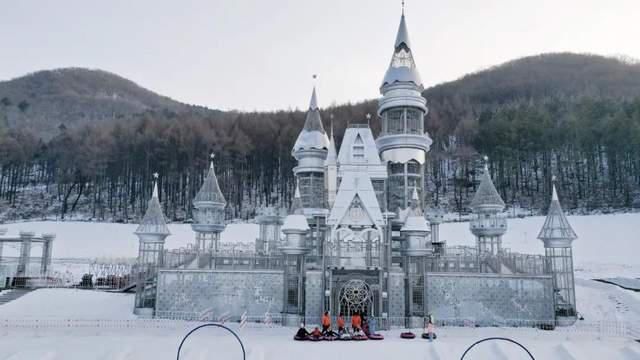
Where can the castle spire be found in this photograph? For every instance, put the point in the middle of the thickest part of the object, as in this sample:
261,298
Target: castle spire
153,222
210,190
332,154
556,229
312,135
403,67
487,197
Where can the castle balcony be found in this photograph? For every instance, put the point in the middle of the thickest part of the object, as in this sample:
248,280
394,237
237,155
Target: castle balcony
488,226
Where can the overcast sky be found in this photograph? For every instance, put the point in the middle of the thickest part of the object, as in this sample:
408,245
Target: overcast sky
261,54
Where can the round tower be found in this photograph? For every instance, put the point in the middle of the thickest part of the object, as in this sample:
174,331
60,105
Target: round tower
270,222
294,248
487,225
557,236
415,234
151,233
403,144
435,216
208,216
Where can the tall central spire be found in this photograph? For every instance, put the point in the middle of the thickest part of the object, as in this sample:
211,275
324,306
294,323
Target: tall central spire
403,67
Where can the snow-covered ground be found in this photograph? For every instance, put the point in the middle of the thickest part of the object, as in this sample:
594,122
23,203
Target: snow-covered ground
55,324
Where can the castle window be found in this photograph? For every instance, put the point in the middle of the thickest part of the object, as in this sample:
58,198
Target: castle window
414,121
393,119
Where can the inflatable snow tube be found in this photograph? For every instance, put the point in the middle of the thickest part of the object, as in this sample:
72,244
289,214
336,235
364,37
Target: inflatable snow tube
359,337
300,338
407,335
426,336
329,338
345,337
315,338
376,337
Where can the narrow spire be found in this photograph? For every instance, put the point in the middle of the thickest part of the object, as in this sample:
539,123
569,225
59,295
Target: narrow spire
402,7
368,116
211,156
554,193
313,104
414,195
403,34
556,230
154,194
296,205
403,67
486,163
332,154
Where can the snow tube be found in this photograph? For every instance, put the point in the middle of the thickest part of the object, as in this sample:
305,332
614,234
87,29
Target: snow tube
407,335
300,338
376,337
426,336
345,337
315,338
359,337
329,338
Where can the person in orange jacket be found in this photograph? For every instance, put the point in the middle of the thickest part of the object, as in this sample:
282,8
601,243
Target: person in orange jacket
340,322
356,322
326,322
316,332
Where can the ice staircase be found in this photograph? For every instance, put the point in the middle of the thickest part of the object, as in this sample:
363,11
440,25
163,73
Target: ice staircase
10,295
182,264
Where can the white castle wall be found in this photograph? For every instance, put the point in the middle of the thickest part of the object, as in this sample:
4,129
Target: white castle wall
489,299
191,294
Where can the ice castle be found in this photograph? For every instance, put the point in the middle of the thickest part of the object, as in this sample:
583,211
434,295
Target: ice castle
359,239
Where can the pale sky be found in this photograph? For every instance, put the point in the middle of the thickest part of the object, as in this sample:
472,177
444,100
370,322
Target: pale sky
260,54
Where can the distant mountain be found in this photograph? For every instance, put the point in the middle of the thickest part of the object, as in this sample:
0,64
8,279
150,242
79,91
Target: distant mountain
45,100
559,76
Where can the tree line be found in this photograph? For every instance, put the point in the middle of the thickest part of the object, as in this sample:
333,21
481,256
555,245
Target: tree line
104,171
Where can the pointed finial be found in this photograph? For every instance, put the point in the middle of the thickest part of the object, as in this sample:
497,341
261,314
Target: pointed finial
486,163
368,116
211,157
296,194
402,7
554,193
154,193
313,104
331,120
414,196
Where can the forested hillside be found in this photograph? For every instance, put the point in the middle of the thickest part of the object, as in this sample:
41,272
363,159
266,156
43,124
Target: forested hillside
577,116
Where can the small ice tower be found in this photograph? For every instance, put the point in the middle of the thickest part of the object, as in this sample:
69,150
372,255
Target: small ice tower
270,221
415,230
435,216
557,236
151,233
295,229
488,226
208,213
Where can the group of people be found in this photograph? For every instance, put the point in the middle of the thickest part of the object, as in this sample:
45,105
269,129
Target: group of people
359,325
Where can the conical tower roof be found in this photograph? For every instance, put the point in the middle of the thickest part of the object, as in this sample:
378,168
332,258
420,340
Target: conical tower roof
210,190
403,67
415,220
296,220
487,197
153,222
312,135
556,228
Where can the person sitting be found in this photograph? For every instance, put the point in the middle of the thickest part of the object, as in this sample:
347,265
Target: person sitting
316,333
302,332
356,323
326,322
340,323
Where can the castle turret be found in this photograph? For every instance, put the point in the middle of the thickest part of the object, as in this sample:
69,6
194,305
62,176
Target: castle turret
151,233
487,225
435,216
310,150
294,248
557,236
208,215
416,230
403,144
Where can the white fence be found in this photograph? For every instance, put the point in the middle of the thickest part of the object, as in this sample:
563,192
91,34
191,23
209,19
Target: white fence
595,329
